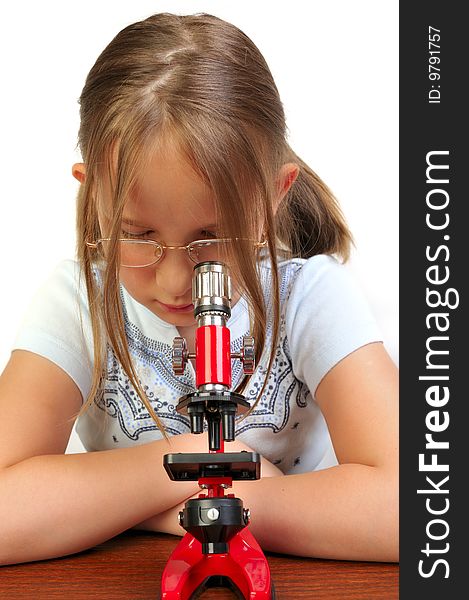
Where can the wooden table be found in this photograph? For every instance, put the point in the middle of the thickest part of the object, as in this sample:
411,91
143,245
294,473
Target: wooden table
130,565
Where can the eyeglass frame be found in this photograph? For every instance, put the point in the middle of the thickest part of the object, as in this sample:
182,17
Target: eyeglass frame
94,245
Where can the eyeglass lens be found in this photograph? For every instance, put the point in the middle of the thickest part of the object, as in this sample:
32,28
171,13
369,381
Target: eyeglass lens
136,253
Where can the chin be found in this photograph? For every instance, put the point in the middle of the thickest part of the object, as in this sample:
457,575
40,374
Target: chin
181,321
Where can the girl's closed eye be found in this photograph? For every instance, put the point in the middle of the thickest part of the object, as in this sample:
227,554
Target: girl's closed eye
132,236
208,235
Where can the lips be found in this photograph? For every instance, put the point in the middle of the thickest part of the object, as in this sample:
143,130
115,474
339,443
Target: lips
178,307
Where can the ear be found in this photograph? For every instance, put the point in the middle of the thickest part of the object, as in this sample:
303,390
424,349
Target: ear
79,172
286,177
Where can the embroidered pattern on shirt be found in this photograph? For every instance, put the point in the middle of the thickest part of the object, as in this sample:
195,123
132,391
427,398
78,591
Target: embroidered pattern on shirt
152,360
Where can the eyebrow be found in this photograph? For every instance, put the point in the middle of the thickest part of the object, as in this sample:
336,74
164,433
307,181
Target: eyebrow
132,222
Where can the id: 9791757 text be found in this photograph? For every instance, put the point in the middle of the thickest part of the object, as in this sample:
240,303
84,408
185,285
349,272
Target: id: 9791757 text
434,75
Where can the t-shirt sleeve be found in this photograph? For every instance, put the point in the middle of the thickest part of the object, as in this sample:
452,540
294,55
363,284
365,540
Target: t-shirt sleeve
57,325
327,318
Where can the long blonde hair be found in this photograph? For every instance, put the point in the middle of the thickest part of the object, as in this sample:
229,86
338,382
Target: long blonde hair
201,81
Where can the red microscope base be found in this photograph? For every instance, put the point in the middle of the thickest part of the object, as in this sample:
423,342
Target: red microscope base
245,565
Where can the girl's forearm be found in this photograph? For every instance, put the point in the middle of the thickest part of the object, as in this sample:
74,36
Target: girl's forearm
59,504
347,512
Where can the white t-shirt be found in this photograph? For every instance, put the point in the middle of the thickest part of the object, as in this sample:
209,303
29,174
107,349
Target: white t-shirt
324,317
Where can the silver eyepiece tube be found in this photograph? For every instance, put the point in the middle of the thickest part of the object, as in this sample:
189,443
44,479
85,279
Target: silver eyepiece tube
211,290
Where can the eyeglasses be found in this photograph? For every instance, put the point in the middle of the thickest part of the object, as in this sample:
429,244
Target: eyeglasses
144,253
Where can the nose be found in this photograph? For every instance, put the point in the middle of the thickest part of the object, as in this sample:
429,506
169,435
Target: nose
174,276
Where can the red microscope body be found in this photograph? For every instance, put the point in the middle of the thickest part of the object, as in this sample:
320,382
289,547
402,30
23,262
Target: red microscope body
218,548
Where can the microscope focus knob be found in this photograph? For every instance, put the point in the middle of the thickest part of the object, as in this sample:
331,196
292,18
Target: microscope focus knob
180,355
248,355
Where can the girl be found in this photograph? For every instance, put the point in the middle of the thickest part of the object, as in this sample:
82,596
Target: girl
185,159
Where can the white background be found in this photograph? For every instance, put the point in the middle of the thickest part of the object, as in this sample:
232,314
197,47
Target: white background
334,62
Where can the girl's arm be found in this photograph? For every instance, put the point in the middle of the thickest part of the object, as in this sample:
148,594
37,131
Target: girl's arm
349,511
53,504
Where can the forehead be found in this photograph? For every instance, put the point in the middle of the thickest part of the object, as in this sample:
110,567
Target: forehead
169,184
168,191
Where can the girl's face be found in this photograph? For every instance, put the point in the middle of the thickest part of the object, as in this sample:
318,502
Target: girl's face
172,205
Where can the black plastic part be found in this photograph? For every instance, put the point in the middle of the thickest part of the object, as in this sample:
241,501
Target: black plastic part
196,414
203,308
240,466
213,422
212,399
214,547
228,423
216,530
215,407
197,423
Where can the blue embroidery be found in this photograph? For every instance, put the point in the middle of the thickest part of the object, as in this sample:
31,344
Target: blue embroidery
152,360
273,409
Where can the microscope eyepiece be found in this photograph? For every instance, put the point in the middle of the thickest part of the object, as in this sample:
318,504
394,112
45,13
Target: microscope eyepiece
213,401
211,290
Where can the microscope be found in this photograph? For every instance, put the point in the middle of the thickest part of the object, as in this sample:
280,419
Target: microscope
218,550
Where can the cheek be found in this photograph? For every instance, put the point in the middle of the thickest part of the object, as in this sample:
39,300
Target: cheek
136,281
